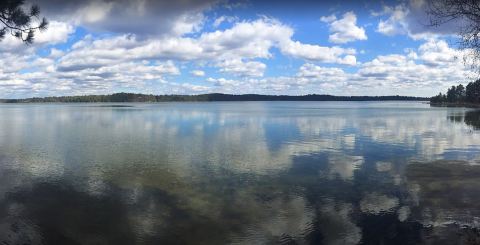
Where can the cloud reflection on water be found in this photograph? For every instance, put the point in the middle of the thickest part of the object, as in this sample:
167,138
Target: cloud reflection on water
239,173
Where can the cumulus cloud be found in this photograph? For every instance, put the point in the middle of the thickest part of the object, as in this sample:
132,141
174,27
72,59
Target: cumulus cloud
318,53
191,88
58,32
95,64
313,73
434,59
396,22
247,40
432,64
222,81
197,73
47,80
232,50
329,18
147,61
240,68
410,18
344,30
229,19
438,53
157,18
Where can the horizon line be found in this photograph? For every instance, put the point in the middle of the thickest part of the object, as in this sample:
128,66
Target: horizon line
214,94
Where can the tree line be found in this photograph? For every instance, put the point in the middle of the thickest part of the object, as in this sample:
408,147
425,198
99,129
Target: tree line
132,97
459,94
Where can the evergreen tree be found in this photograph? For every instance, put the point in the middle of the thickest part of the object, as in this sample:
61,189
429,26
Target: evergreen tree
451,94
472,93
17,21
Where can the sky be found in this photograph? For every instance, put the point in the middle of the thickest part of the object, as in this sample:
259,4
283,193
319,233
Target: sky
237,47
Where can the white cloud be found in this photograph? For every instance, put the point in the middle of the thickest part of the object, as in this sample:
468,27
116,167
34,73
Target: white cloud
243,42
329,18
57,32
114,66
412,19
396,23
56,53
437,52
14,83
400,72
241,68
432,65
93,11
318,53
318,73
222,81
148,59
12,63
140,17
192,88
47,80
344,30
229,19
198,73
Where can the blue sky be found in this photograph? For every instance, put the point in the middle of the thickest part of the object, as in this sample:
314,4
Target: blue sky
265,47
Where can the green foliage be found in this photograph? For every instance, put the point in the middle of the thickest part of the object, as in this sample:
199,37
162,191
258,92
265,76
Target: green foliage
473,92
440,98
459,94
130,97
18,22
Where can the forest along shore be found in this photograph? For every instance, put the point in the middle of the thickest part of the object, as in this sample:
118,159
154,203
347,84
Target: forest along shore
131,97
459,96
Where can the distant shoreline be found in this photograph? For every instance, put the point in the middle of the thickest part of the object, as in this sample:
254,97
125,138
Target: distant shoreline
131,97
449,104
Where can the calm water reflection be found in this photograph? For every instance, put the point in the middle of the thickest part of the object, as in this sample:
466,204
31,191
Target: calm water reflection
239,173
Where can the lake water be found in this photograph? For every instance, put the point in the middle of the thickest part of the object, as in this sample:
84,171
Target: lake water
239,173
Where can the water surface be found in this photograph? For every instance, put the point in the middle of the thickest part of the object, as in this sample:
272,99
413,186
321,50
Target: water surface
239,173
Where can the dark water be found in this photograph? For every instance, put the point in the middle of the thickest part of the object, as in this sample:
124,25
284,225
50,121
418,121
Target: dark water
239,173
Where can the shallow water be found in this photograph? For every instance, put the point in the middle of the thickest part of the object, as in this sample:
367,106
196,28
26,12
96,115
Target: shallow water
239,173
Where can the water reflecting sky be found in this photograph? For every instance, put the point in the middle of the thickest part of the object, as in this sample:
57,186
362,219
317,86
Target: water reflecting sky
239,173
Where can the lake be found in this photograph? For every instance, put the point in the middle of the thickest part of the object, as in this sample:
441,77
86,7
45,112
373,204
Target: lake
239,173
